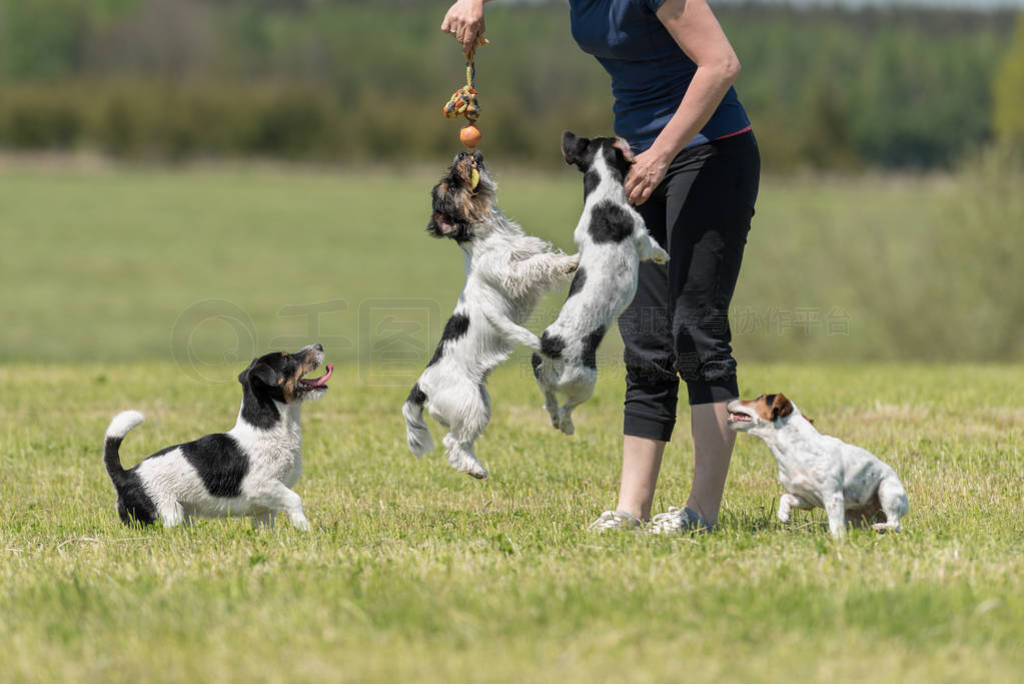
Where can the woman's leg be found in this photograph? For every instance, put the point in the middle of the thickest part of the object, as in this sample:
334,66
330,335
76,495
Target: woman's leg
641,461
712,452
678,322
709,216
652,384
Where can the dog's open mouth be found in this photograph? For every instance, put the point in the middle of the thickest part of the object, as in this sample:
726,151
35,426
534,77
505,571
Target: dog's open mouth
317,383
446,223
739,418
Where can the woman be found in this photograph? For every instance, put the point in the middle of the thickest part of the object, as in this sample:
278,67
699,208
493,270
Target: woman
695,180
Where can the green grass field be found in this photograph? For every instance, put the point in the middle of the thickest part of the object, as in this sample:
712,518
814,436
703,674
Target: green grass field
413,571
149,289
123,264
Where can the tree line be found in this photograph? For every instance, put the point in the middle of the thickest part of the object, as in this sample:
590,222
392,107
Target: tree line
336,81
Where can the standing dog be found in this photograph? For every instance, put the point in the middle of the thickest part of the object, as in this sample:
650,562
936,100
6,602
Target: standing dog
248,470
821,471
612,240
506,274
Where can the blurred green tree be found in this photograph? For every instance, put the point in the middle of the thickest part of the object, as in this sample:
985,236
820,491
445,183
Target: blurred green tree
1008,92
43,39
826,87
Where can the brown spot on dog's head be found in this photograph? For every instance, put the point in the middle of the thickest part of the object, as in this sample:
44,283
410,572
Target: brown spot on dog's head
771,407
462,199
623,147
748,414
778,406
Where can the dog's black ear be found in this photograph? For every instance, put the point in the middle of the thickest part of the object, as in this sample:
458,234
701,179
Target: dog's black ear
781,406
573,147
259,372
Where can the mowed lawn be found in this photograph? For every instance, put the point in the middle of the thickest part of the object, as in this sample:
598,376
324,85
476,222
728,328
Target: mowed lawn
151,289
414,572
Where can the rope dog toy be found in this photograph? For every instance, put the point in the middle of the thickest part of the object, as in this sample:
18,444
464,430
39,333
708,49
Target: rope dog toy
463,103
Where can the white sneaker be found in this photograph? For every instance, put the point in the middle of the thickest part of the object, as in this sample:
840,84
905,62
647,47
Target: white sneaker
678,520
615,520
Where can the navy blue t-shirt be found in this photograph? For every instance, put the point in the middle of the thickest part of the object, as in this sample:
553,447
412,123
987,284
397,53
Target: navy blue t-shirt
650,72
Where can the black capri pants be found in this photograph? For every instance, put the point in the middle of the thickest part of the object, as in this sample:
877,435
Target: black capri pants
677,326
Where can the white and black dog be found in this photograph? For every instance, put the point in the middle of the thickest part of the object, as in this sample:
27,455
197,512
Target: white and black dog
612,240
248,470
817,470
507,272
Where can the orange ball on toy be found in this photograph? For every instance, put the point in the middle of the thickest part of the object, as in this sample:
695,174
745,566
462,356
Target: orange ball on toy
470,136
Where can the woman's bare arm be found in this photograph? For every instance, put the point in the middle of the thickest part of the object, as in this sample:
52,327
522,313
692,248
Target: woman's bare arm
694,27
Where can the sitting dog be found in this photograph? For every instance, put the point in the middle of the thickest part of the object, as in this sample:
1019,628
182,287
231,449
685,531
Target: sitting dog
821,471
248,470
612,240
506,274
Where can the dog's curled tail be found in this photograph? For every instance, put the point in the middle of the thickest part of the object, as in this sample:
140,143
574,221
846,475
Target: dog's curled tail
420,441
120,426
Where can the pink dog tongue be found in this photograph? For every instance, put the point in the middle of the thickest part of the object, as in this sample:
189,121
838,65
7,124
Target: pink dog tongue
322,379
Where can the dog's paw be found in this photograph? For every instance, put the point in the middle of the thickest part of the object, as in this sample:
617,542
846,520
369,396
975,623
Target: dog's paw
480,473
470,466
475,469
784,516
659,256
882,528
300,524
565,425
